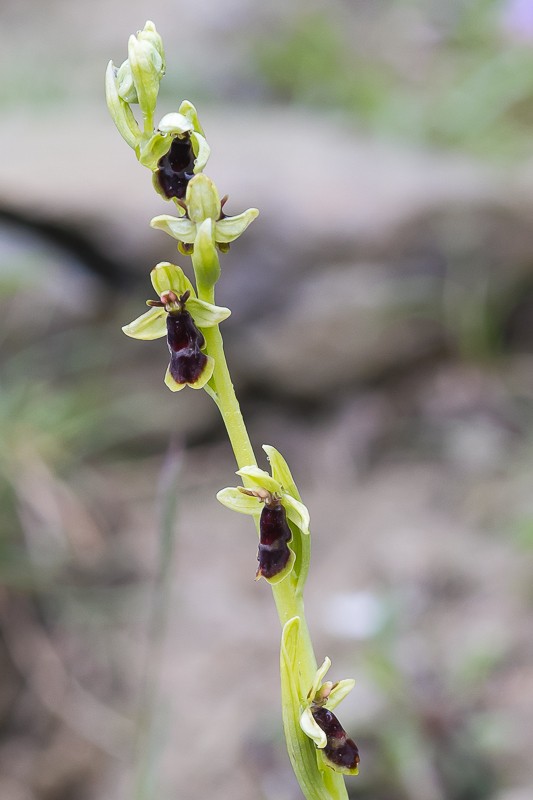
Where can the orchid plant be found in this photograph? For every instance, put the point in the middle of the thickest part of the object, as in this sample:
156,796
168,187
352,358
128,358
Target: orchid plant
176,151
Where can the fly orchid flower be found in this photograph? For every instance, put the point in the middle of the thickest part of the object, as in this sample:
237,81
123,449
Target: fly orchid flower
275,501
322,726
203,210
179,315
176,152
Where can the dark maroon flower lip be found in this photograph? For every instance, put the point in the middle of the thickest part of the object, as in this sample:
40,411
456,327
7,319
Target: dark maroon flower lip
340,750
273,553
185,342
176,168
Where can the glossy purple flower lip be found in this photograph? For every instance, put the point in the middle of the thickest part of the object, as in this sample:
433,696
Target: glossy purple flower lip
341,751
273,553
185,343
176,168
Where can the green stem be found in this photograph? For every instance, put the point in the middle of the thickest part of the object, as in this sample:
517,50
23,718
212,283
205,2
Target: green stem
289,603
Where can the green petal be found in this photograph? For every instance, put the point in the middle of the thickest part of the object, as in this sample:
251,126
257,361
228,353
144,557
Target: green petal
233,498
206,315
280,470
175,123
201,150
296,512
339,692
228,229
169,277
258,477
180,228
152,325
189,111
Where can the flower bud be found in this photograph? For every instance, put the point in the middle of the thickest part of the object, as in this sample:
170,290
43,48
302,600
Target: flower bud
119,109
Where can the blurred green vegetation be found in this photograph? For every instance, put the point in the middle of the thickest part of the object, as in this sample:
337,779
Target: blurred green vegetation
448,75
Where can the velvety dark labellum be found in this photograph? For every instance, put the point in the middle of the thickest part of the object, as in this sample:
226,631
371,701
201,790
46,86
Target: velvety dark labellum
274,533
185,340
176,168
340,750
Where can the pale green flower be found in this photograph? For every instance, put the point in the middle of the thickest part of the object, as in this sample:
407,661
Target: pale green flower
203,204
336,750
179,315
235,497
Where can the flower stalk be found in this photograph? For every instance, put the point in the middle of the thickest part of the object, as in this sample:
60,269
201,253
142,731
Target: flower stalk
176,152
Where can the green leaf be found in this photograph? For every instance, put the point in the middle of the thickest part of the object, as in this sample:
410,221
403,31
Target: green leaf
302,751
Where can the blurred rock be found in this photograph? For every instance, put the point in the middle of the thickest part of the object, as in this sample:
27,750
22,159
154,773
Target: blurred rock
366,256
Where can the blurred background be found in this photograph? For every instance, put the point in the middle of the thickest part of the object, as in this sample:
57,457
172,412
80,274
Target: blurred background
381,338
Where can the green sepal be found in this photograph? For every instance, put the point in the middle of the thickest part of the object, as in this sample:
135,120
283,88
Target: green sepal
280,470
234,499
202,199
204,257
179,228
205,314
155,148
258,477
175,124
167,277
230,228
188,110
120,111
151,325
